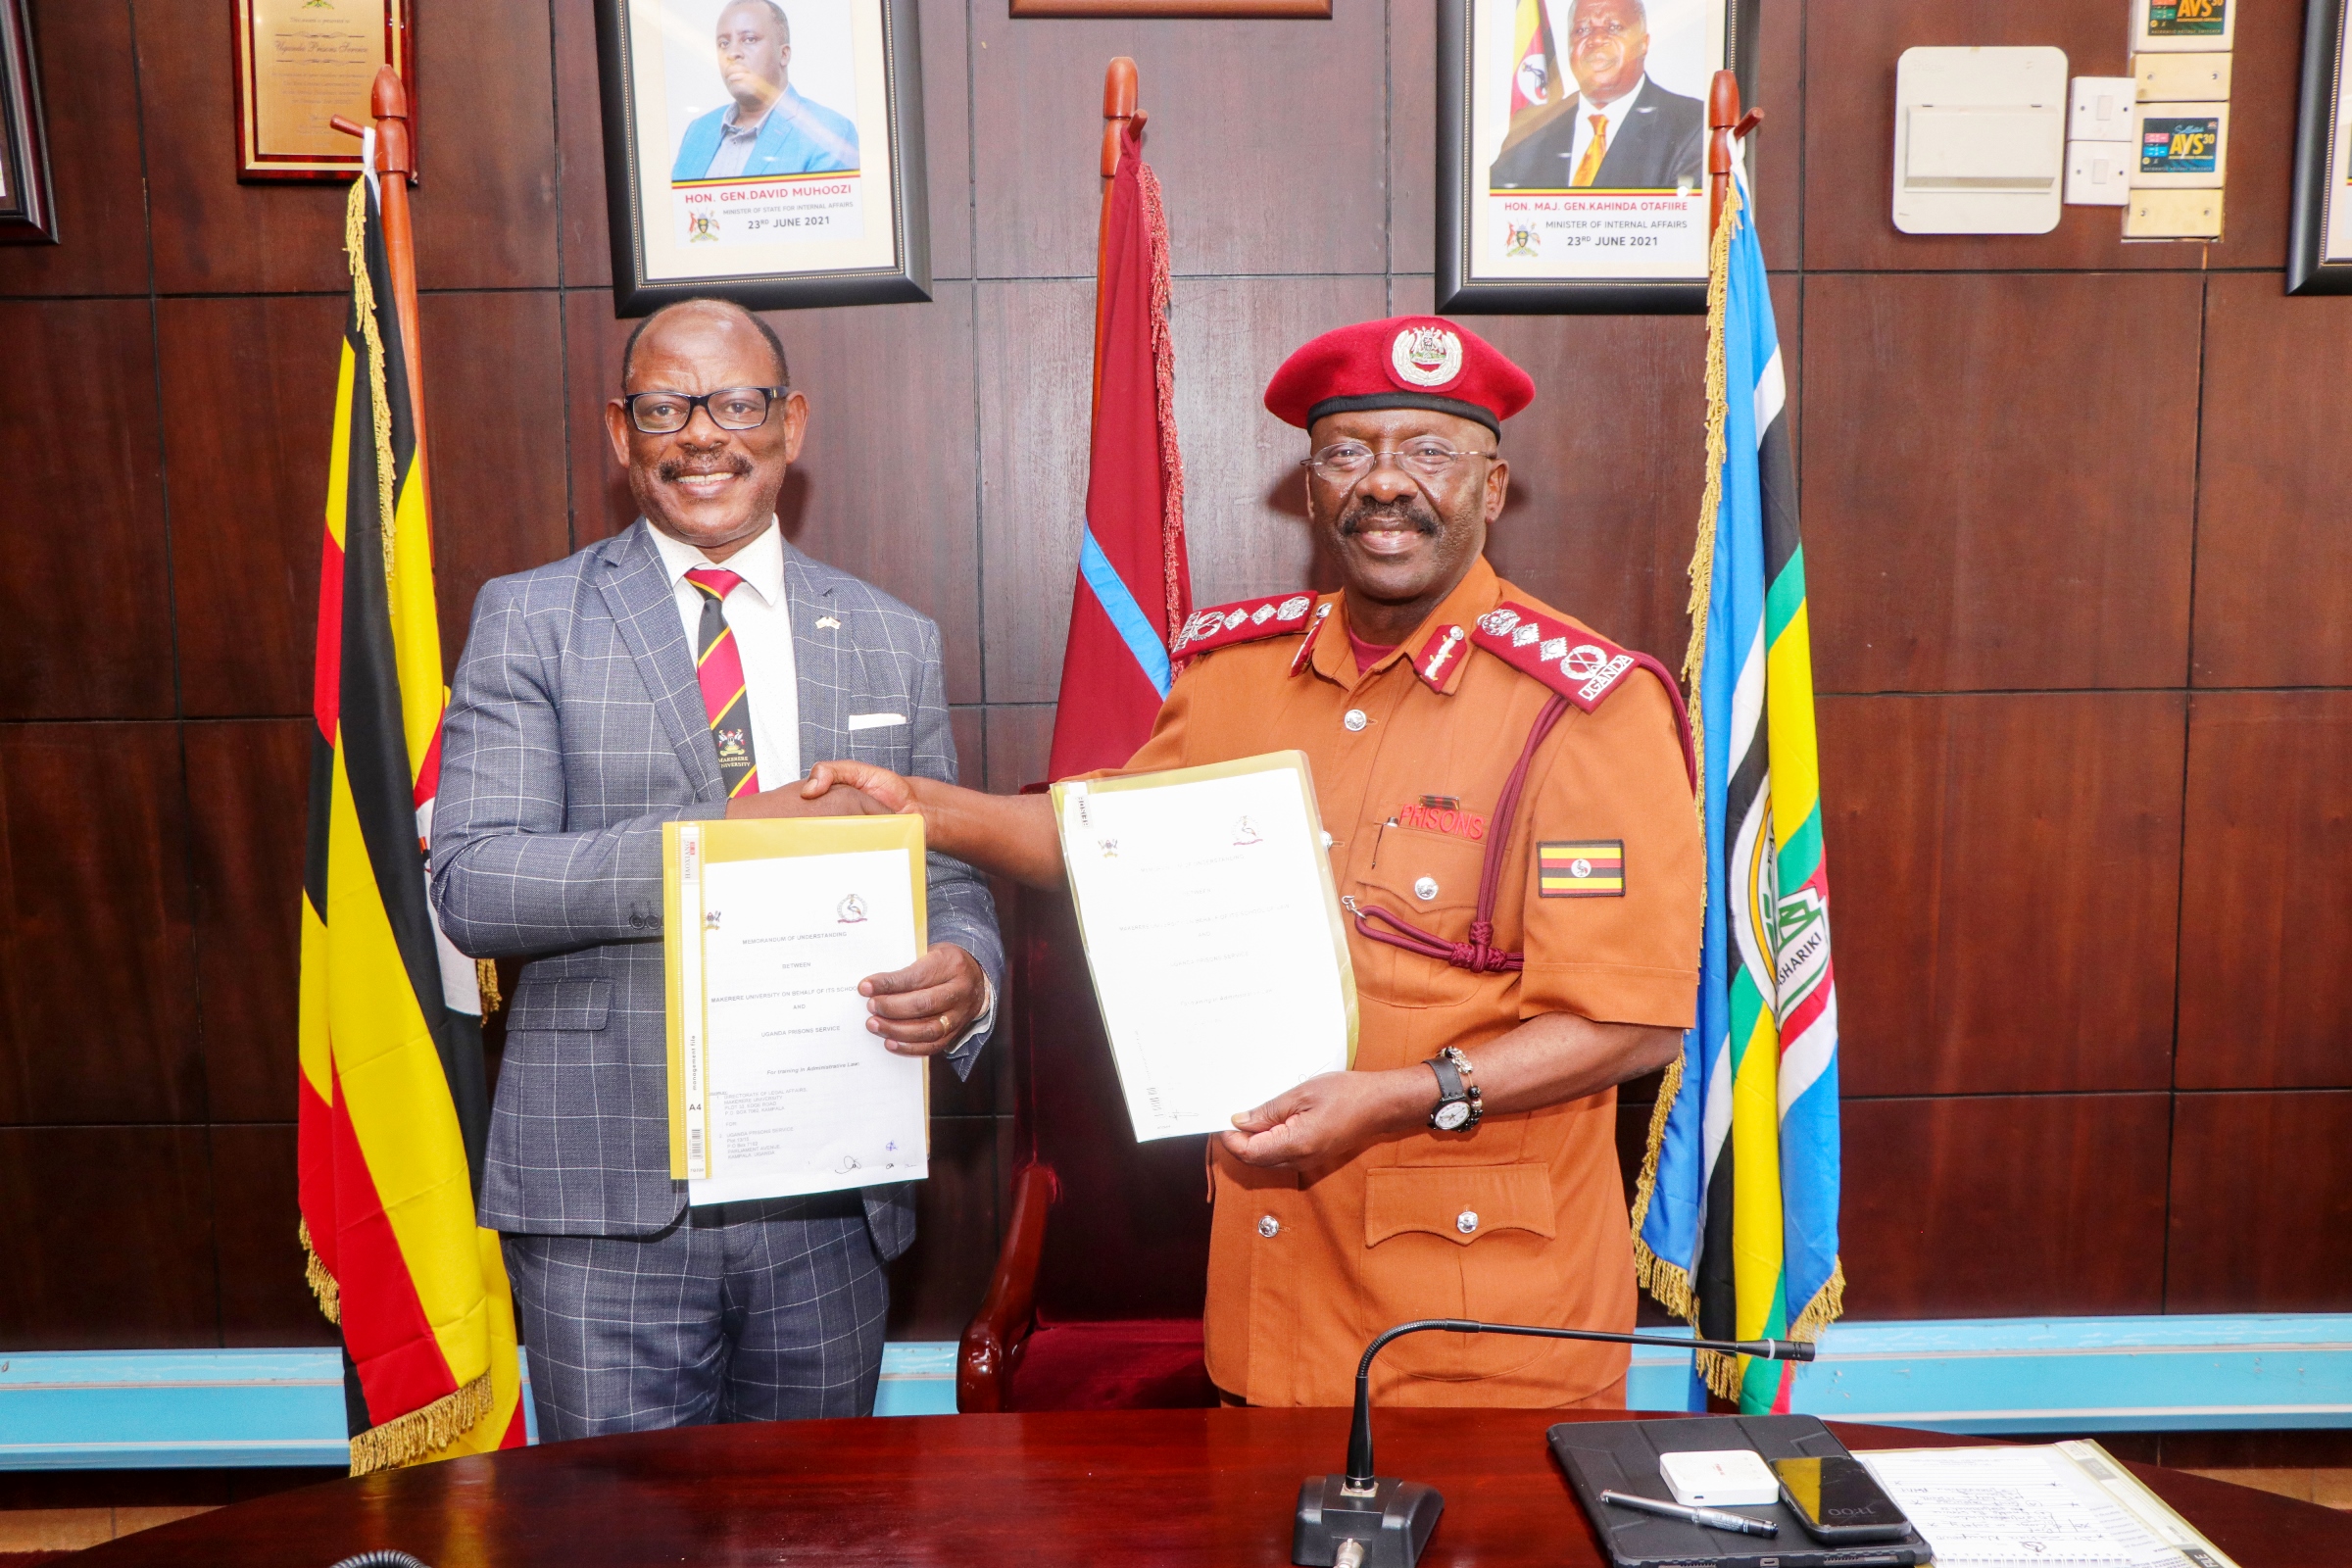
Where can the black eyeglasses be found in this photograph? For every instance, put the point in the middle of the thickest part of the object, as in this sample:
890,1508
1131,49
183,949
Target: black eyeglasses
731,408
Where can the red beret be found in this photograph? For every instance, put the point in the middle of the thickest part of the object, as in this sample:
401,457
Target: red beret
1407,362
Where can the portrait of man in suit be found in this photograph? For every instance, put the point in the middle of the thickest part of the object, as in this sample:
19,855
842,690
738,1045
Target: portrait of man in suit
769,129
1619,131
688,670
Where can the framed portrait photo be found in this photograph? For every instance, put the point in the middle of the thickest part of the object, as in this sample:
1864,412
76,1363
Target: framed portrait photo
27,209
768,152
1572,152
2319,239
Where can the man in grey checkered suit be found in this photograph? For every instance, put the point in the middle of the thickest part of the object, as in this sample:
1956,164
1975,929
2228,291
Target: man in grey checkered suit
692,668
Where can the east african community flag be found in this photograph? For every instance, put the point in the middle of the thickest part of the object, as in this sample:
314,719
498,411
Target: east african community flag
393,1102
1735,1222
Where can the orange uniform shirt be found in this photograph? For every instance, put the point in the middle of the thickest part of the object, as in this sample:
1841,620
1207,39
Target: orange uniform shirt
1523,1218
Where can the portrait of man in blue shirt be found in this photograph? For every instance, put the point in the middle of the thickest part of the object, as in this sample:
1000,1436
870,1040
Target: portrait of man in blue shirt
769,129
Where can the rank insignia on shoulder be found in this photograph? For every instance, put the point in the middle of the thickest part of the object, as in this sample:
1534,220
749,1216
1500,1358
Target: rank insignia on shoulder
1582,869
1581,666
1243,622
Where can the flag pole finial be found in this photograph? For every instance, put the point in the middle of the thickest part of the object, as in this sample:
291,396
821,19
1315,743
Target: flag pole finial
1726,125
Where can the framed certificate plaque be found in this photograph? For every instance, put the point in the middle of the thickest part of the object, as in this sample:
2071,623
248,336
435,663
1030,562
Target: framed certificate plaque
299,63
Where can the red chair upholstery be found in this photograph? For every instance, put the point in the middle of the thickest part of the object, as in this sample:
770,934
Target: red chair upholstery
1096,1300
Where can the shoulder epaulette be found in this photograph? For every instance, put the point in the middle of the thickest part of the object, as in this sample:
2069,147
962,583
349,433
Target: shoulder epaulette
1243,621
1581,666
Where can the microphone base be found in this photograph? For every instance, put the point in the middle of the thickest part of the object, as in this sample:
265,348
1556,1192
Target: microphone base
1393,1524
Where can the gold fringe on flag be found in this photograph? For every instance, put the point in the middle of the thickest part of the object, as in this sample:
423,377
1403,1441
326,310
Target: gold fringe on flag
322,1284
363,294
418,1435
485,980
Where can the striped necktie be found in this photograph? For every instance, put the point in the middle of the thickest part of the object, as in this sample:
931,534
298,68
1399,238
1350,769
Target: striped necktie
1589,165
718,666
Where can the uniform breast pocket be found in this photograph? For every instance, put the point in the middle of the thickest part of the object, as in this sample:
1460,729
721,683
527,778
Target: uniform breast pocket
1430,882
1460,1240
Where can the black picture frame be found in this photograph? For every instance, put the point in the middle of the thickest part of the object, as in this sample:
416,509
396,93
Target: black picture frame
27,201
904,278
2323,198
1460,186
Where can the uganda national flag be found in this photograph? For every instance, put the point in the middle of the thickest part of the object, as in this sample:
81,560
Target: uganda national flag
393,1103
1735,1218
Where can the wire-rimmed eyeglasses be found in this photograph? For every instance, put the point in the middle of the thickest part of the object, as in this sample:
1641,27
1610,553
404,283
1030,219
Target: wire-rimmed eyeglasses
1346,461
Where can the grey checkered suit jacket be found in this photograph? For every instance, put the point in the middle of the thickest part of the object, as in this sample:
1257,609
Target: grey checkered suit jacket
575,729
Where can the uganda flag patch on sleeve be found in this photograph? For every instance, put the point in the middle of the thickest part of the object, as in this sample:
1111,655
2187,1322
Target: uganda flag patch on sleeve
1586,868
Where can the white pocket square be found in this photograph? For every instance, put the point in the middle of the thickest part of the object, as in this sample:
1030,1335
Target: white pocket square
858,721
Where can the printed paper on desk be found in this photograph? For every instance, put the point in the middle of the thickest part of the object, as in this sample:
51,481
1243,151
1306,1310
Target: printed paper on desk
1211,923
777,1086
1996,1508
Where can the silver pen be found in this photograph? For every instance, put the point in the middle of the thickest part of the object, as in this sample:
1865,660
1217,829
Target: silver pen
1712,1518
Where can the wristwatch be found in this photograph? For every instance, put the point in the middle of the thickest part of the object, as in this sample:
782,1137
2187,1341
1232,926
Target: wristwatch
1458,1108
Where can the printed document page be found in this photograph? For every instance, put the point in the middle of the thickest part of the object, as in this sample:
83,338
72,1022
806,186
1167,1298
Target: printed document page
1212,927
790,1092
1995,1507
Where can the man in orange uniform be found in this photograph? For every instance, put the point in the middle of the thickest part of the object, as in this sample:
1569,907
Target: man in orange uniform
1509,796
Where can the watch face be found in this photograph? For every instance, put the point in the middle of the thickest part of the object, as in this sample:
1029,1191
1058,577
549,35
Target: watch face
1450,1116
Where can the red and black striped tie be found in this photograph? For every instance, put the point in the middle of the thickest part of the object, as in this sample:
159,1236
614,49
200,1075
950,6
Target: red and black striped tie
718,665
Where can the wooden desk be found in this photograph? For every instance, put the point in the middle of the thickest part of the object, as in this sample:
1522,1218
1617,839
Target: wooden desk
1209,1487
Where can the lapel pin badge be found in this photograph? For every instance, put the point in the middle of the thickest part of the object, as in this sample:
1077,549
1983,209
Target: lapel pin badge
827,624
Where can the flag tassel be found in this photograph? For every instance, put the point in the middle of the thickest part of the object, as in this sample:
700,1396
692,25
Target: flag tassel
423,1432
322,1283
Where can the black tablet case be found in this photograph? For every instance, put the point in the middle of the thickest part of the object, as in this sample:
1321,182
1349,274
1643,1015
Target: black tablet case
1623,1456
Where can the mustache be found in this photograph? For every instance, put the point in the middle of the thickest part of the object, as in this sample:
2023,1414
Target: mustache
1409,512
671,469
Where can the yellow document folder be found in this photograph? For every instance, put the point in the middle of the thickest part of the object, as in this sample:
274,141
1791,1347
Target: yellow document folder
691,851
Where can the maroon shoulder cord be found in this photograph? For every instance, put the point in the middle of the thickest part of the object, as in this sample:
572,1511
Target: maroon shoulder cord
1477,954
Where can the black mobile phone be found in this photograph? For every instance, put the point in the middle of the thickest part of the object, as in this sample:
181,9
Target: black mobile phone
1838,1500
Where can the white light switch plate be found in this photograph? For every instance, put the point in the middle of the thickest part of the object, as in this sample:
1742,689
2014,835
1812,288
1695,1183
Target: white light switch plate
2100,108
2098,174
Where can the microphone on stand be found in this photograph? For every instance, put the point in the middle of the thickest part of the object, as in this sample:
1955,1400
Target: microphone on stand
1362,1520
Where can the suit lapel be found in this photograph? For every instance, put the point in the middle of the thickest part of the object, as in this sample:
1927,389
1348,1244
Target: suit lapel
820,661
639,594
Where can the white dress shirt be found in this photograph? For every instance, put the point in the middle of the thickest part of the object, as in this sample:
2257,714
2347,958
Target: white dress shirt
762,627
1614,113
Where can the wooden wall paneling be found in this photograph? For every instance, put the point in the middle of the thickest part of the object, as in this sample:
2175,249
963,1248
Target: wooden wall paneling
1974,521
249,780
1412,140
2265,85
249,398
885,487
2265,978
2261,1217
593,338
94,158
585,243
948,132
2274,451
84,620
211,235
97,968
1268,137
264,1298
2000,1207
485,202
494,407
116,1249
1850,52
1035,349
2005,876
939,1280
1019,741
1779,160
